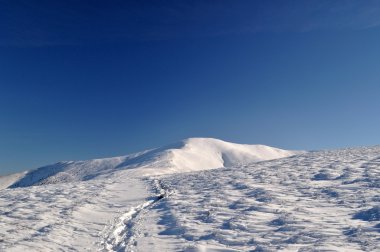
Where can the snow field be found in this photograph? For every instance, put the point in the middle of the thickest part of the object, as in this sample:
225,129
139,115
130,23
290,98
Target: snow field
319,201
198,195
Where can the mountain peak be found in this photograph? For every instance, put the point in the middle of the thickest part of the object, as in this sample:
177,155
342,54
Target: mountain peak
192,154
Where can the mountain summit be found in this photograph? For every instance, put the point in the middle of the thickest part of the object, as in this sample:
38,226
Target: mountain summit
193,154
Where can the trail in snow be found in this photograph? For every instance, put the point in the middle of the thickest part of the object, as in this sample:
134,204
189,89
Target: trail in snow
122,234
65,217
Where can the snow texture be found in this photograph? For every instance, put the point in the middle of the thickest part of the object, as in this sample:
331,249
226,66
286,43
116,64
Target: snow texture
189,155
198,195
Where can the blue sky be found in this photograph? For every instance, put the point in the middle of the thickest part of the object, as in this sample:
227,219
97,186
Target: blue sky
87,79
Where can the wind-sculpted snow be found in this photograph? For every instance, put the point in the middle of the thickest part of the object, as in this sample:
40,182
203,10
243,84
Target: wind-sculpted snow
319,201
66,217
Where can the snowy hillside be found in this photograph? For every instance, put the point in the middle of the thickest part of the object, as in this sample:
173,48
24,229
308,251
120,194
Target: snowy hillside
189,155
173,199
9,180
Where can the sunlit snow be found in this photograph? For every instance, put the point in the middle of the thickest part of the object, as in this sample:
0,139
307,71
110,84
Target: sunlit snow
197,195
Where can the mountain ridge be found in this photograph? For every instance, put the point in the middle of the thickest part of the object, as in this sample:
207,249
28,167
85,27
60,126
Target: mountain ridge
192,154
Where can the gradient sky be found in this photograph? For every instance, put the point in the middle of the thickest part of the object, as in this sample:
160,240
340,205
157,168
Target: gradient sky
89,79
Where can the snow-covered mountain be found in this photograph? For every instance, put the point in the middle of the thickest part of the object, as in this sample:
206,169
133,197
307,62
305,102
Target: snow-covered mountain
193,154
198,195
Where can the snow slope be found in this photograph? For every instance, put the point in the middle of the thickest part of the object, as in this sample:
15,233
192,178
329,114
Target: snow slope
76,216
172,199
8,180
189,155
318,201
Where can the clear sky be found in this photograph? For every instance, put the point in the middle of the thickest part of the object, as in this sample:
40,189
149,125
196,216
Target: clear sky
88,79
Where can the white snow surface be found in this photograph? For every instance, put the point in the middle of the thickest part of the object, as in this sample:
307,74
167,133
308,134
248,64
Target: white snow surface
192,154
198,195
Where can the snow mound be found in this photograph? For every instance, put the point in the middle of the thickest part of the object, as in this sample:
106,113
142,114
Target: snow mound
196,154
193,154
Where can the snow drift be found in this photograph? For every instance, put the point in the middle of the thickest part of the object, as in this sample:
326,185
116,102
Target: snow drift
193,154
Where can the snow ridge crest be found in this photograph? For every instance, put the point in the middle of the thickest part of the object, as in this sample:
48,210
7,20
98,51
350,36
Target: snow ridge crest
192,154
